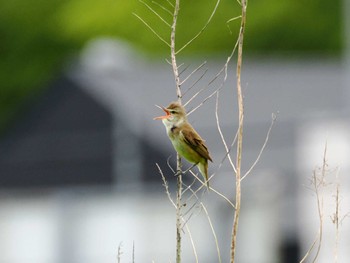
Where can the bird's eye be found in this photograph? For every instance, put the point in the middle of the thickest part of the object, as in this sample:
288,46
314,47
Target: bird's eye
172,112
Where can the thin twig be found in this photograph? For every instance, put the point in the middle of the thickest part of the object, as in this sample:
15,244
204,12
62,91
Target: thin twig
166,186
194,193
335,218
221,134
203,184
307,254
317,183
222,70
195,83
162,7
168,163
318,237
262,148
154,12
183,70
150,28
203,101
213,231
202,30
170,3
188,187
320,214
192,243
165,183
193,72
193,97
230,20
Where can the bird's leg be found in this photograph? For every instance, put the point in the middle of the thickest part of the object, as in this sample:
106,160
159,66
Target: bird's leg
183,172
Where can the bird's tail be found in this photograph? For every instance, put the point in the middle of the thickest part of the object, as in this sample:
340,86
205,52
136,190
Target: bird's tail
203,168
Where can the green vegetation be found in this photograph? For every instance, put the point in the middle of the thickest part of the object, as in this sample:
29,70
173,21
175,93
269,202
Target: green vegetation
37,37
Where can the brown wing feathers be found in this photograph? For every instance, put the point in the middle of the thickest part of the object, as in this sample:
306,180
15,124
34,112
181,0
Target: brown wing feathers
196,142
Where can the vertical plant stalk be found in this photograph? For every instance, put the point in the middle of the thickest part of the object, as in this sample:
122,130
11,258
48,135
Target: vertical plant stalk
178,166
318,182
178,210
240,132
173,50
335,219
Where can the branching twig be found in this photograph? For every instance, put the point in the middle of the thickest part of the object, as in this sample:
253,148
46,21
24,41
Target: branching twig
337,217
318,238
165,183
318,181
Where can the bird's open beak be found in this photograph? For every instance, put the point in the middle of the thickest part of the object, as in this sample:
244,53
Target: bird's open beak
162,117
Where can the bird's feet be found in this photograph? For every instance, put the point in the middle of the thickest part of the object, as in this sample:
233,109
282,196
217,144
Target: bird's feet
179,172
184,172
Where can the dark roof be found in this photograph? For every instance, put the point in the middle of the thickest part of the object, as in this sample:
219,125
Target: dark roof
64,137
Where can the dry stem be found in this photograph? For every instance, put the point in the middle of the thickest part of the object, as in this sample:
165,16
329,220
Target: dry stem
240,133
335,220
178,166
318,181
178,211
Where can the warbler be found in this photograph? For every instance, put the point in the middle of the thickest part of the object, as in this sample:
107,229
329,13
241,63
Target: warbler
185,139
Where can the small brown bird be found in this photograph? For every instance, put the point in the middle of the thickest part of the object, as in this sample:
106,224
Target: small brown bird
185,139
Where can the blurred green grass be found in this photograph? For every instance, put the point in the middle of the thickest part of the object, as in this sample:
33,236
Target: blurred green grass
38,37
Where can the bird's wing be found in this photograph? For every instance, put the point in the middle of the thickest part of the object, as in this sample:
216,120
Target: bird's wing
192,138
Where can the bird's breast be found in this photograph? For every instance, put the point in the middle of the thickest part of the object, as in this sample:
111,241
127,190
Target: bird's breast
185,150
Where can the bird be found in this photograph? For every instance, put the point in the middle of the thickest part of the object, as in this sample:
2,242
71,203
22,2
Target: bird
186,141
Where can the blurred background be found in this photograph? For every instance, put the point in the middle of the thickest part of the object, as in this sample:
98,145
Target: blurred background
78,146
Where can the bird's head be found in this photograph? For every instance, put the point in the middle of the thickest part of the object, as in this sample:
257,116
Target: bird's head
175,114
